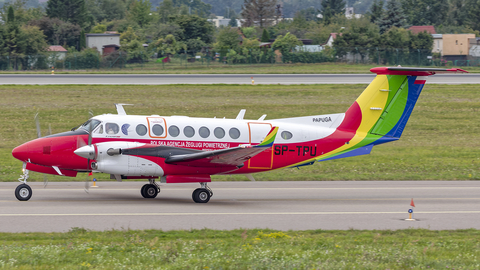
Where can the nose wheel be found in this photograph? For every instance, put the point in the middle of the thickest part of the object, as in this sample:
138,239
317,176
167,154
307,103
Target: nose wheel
23,192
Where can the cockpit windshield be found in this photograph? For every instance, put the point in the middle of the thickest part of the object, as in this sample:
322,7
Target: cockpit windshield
90,125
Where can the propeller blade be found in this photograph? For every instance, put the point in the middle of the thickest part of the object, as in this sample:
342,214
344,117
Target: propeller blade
87,186
37,123
49,129
45,181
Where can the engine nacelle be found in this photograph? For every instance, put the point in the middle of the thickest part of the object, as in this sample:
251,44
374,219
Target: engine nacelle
109,159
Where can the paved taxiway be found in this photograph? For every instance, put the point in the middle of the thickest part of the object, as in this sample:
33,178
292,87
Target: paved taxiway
276,205
157,79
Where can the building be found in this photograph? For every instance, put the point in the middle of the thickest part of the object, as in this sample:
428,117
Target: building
437,43
474,48
456,46
422,28
220,21
330,39
99,41
57,52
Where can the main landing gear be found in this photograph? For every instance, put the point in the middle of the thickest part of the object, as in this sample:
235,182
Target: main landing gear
23,192
203,194
151,190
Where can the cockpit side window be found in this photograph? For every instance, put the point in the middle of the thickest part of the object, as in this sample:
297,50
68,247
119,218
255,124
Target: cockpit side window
111,128
99,130
90,125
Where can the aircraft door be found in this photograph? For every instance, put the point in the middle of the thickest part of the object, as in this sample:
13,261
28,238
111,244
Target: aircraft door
157,127
258,132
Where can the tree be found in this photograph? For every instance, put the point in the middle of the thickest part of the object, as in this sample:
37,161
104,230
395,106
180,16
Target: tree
359,38
228,38
197,7
393,17
166,9
99,29
195,27
168,45
23,13
57,31
139,12
473,7
376,11
285,43
233,21
73,11
310,13
107,10
195,45
425,12
32,40
330,8
261,11
265,36
458,13
128,36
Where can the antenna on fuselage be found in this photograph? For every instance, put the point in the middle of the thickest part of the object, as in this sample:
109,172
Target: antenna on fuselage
241,114
120,109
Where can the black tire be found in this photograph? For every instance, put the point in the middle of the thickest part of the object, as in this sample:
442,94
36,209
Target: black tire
150,191
142,190
23,192
201,195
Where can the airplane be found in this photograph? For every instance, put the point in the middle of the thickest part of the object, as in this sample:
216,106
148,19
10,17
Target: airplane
181,149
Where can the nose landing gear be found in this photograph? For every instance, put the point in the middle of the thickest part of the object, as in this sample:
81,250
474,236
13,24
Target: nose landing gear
23,192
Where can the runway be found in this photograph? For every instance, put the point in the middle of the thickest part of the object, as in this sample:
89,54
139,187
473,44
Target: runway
439,205
159,79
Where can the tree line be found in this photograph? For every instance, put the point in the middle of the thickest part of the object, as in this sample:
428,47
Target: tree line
173,26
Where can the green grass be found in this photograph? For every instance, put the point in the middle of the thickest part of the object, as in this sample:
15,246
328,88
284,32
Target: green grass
242,249
440,142
197,68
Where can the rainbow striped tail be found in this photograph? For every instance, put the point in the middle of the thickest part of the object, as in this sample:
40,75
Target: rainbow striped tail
380,113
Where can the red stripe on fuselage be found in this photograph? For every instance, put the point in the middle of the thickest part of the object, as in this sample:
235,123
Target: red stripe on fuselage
420,81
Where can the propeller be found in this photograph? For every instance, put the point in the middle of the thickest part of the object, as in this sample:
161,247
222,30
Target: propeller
87,186
39,135
37,124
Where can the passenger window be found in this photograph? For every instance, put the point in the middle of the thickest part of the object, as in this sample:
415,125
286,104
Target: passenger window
219,132
173,131
204,132
141,130
111,128
157,130
189,131
234,133
286,135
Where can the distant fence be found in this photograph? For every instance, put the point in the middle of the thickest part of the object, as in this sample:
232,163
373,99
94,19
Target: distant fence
212,58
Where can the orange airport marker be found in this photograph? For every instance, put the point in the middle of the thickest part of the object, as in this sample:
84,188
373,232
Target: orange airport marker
410,212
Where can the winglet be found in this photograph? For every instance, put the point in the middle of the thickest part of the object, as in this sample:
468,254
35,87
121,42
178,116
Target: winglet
270,138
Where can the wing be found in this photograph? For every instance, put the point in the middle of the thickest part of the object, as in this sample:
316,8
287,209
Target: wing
228,157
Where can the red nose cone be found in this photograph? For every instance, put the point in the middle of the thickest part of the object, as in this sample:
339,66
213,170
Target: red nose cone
21,152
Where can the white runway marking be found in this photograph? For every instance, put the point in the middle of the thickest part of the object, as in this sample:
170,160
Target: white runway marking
237,214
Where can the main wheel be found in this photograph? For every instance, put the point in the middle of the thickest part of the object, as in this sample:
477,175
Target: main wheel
149,191
23,192
201,195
